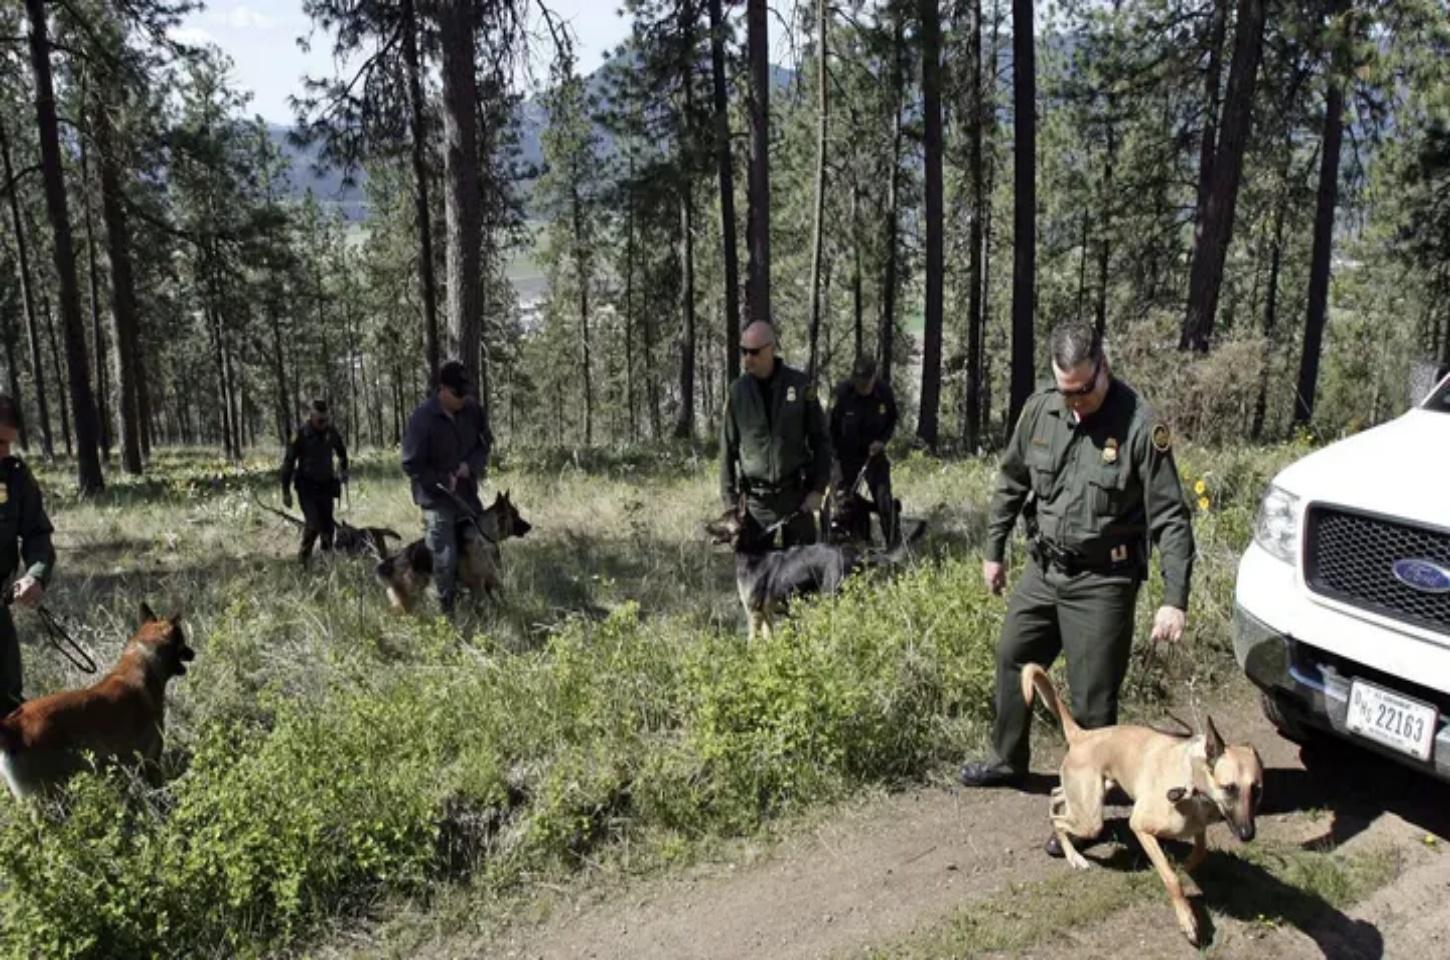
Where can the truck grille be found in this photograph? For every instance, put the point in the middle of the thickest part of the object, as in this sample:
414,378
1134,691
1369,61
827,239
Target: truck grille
1348,557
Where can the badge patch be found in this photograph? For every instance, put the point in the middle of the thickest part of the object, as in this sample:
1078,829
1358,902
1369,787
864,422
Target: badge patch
1110,451
790,395
881,409
1162,440
4,493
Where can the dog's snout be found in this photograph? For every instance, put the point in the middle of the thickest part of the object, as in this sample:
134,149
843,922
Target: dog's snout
1246,831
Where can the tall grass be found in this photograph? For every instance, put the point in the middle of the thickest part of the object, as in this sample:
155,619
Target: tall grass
322,753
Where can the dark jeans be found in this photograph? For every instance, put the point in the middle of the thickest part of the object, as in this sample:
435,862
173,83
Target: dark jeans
11,680
316,502
1090,617
446,538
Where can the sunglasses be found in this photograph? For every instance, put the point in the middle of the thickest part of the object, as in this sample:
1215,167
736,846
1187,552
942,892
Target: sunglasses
754,351
1087,388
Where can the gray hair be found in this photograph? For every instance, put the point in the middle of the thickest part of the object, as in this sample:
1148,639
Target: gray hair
1073,343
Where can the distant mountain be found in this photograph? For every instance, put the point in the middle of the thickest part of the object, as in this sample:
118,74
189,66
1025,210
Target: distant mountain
330,190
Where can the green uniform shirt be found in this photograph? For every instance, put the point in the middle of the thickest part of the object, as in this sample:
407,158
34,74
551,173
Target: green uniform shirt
778,446
1098,485
24,527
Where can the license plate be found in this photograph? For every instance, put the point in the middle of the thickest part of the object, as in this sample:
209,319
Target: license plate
1386,717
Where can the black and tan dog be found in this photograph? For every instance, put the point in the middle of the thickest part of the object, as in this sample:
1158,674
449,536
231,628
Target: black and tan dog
353,541
407,573
767,579
121,717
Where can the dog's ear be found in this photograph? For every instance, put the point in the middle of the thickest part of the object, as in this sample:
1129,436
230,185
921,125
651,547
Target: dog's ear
1176,794
146,614
1212,742
175,619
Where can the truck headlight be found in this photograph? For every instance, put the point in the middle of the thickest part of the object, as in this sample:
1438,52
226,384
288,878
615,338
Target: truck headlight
1276,528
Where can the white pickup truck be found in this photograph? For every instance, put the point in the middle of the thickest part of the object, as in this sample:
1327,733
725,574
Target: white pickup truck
1342,605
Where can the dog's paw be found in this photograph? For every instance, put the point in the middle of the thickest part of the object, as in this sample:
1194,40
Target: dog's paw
1188,923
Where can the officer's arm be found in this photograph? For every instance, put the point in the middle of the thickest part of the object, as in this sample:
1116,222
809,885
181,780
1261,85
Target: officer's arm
1013,483
36,550
341,449
416,462
1170,524
477,458
889,398
729,453
820,440
289,461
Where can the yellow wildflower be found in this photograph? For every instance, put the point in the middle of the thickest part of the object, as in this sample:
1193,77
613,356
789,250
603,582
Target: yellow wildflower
1203,503
1200,488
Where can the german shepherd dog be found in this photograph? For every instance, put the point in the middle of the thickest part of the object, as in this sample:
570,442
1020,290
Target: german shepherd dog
353,541
407,573
43,741
768,579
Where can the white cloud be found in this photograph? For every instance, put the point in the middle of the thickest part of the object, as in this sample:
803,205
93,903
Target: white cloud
245,18
192,36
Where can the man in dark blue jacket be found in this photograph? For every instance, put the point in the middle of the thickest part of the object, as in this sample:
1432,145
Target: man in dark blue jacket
446,445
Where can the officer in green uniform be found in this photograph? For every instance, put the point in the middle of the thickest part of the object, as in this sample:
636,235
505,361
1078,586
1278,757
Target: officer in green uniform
1092,472
309,460
774,446
24,536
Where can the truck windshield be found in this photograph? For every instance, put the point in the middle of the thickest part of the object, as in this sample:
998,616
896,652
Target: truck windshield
1440,399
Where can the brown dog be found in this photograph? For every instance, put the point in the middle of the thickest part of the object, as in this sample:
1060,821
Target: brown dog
1179,786
42,741
407,573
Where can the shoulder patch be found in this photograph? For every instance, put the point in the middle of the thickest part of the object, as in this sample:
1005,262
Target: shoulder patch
1162,438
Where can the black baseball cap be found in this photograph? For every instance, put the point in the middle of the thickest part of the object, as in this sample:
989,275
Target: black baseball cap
454,376
864,368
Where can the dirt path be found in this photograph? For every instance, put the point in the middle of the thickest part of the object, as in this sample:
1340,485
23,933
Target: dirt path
876,876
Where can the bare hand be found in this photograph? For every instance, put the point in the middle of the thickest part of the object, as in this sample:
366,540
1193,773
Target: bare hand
876,448
812,502
994,575
29,591
1168,624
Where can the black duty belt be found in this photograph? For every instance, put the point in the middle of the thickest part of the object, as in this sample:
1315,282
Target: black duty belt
1119,559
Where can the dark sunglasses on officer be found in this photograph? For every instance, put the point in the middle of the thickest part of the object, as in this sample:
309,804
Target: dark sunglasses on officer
1087,388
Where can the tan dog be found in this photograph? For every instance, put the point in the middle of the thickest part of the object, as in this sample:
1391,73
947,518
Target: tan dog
1179,786
407,573
42,741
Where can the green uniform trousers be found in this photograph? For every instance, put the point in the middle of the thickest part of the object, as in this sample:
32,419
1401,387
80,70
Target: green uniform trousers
1087,615
768,508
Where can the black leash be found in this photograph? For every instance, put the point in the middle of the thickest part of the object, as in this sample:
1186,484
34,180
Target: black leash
55,632
467,511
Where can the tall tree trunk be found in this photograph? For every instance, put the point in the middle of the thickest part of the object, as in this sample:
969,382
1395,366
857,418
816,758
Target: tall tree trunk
143,403
462,200
886,335
976,175
279,367
858,305
418,122
989,178
582,271
1024,216
629,254
685,425
94,283
1213,77
926,424
8,333
1328,198
823,120
55,369
27,296
758,43
125,317
1105,220
82,400
727,192
1271,311
1216,229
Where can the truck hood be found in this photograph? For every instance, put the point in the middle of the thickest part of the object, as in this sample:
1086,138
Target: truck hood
1399,468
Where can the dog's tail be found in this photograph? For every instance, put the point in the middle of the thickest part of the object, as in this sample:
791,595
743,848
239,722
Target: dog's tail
1036,680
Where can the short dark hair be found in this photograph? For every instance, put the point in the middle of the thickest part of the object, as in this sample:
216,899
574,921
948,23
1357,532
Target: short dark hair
1073,343
319,406
9,412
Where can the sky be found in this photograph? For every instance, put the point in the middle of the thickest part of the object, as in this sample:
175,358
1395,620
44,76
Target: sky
260,36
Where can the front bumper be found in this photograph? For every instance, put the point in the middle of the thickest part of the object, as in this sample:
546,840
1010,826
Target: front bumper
1309,674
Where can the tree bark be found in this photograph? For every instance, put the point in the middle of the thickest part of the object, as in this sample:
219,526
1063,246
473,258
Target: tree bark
758,293
83,401
581,270
125,317
98,336
1216,228
823,115
1213,76
1024,216
685,425
27,296
65,431
886,334
462,200
1327,200
976,174
727,192
418,120
927,421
